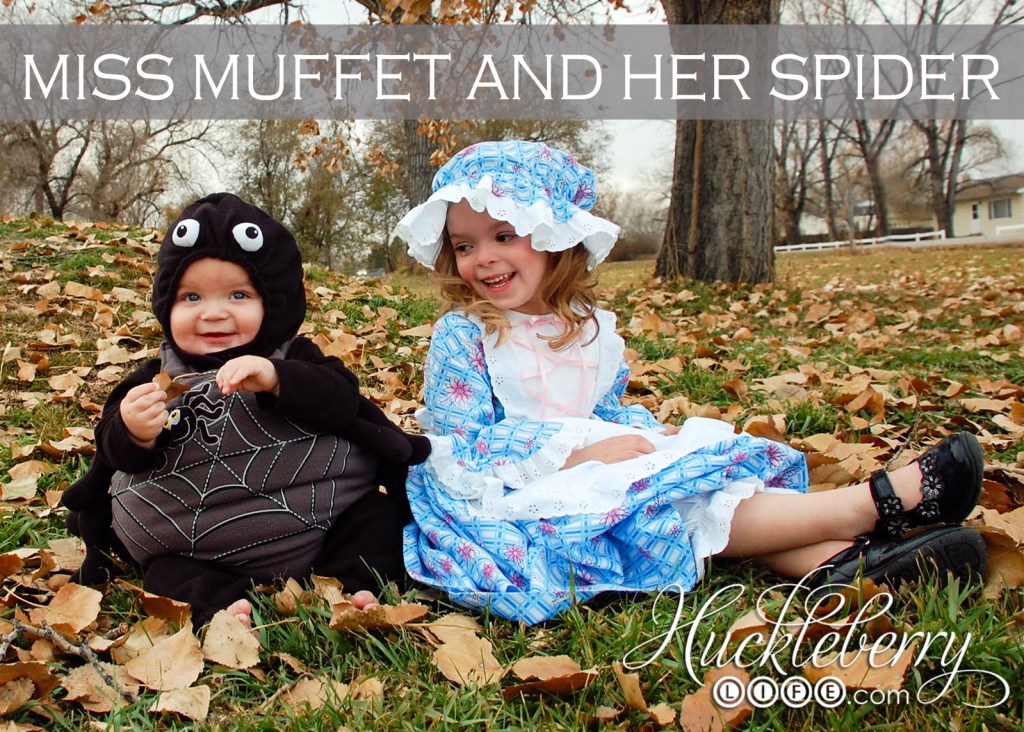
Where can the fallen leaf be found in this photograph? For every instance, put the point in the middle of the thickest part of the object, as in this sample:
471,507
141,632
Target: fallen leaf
31,469
468,661
38,673
700,713
172,663
158,606
314,692
85,686
68,554
881,668
169,386
73,608
558,675
230,642
450,628
15,694
193,702
142,636
630,684
20,489
346,616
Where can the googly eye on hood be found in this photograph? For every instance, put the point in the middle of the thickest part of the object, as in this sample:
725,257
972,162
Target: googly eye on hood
223,226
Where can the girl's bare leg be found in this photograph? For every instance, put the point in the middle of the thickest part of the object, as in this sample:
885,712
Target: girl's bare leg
798,562
773,523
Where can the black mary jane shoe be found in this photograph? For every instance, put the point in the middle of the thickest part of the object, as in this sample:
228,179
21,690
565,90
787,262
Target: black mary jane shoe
951,475
956,550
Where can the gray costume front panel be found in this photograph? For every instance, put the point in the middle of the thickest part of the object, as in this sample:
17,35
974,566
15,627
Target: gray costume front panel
239,486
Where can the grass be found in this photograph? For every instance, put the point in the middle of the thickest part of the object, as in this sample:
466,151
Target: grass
816,320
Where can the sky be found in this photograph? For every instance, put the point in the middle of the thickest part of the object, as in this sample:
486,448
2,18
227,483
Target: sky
642,150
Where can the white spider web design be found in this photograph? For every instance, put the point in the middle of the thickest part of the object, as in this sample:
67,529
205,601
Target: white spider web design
247,488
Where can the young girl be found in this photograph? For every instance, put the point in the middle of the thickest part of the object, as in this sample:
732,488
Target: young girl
542,488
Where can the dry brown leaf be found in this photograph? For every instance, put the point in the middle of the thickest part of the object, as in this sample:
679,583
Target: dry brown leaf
26,371
449,628
771,427
15,694
630,684
346,616
85,686
748,624
67,554
314,692
1004,568
229,642
736,387
291,662
1010,523
35,671
558,675
882,668
143,636
605,714
31,469
158,606
468,661
193,702
420,331
10,564
662,715
329,589
73,608
173,663
287,600
169,386
700,713
20,489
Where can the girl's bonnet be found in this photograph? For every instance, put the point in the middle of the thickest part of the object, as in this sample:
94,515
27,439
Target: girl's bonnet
541,191
223,226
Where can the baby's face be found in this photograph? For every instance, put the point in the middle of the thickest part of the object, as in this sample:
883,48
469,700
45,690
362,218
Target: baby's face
215,308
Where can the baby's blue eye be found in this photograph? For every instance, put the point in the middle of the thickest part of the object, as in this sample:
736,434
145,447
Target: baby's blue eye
191,297
239,295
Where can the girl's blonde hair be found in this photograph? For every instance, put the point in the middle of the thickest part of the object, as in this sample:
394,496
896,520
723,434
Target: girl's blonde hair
568,289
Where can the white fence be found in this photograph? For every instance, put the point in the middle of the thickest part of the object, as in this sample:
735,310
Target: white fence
920,236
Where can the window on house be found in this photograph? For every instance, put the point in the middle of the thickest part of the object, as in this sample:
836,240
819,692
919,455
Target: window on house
999,209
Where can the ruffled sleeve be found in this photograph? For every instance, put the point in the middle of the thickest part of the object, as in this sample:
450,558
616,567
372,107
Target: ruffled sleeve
475,449
610,408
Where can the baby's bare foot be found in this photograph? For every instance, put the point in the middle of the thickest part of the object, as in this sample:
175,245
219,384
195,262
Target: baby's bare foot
364,600
242,610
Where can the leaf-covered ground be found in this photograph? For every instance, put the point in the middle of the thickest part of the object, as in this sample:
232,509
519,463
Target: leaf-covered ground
846,357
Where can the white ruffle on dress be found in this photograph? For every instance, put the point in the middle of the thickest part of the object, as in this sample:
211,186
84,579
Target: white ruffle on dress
498,523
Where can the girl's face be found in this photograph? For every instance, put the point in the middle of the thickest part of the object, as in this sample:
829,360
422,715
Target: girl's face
216,307
498,264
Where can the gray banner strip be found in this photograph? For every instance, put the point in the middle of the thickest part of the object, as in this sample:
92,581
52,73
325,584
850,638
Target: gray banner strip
511,72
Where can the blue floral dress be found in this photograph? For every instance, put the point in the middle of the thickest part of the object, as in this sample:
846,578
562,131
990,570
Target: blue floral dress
498,524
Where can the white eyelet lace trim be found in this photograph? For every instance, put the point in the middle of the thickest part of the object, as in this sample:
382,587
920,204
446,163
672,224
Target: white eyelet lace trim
421,227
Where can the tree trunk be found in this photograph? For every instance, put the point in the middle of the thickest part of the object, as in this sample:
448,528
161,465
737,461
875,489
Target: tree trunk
719,223
420,173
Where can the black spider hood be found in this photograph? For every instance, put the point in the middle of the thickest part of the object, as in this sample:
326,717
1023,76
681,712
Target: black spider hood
223,226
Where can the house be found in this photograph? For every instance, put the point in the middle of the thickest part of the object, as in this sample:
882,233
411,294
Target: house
990,207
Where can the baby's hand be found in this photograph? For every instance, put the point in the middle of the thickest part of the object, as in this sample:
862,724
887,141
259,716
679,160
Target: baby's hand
144,411
672,430
612,450
248,373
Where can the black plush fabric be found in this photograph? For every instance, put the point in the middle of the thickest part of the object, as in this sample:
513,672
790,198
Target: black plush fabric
223,226
316,392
